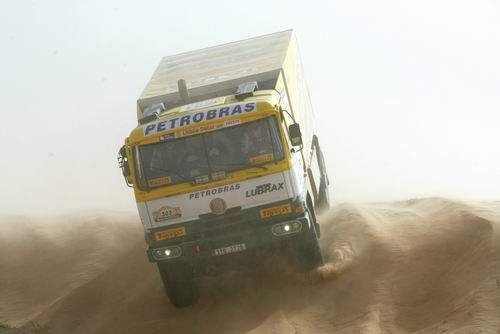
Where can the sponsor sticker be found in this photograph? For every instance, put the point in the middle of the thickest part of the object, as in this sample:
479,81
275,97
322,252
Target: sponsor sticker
199,129
166,212
169,234
160,181
168,136
276,211
256,160
232,122
202,116
219,175
265,188
214,191
205,128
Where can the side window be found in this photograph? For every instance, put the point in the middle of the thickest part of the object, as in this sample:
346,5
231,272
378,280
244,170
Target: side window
288,143
139,172
275,139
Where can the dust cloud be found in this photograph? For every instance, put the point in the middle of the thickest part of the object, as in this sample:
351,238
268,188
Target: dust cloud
419,266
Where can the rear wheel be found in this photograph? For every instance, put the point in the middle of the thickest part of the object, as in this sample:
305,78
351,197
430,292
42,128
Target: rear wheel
180,283
322,202
312,216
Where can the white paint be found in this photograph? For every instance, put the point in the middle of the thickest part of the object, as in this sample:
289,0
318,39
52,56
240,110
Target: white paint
243,195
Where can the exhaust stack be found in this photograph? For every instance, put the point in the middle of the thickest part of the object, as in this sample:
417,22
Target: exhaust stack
183,91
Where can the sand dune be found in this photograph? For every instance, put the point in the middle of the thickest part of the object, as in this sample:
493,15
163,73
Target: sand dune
419,266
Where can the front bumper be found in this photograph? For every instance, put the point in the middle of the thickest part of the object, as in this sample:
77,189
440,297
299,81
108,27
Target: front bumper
258,235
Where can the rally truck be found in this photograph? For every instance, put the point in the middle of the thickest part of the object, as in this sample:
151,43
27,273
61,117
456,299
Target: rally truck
224,162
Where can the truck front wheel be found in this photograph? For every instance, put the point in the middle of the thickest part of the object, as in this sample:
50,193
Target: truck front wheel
308,252
308,256
180,284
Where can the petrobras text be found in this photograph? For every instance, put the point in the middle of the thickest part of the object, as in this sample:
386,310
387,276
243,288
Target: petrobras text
181,121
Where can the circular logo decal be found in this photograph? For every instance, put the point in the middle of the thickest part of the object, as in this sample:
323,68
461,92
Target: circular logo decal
218,206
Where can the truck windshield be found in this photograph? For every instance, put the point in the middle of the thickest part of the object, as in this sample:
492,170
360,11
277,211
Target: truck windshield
209,156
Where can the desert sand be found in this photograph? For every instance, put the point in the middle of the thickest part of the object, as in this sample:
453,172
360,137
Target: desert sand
419,266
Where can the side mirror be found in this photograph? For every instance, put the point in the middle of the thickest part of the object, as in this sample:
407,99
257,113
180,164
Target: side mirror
123,164
295,134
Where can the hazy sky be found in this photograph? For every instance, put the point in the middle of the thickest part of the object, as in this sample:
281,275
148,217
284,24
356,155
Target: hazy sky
408,92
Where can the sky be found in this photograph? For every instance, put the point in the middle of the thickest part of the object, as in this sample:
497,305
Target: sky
405,93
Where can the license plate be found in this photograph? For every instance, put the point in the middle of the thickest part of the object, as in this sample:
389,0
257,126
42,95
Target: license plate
230,249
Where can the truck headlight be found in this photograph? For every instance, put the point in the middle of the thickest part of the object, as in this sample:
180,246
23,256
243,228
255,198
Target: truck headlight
167,253
290,227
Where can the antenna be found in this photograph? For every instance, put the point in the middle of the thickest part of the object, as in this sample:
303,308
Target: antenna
183,91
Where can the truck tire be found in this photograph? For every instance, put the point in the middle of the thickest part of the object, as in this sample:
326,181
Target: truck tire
308,256
308,253
180,284
312,216
322,202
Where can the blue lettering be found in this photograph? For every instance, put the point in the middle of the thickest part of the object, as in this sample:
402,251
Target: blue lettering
161,126
236,110
149,128
224,111
185,120
249,107
172,122
198,117
211,114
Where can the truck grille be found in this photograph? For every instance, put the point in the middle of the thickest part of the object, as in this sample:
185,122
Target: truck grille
210,225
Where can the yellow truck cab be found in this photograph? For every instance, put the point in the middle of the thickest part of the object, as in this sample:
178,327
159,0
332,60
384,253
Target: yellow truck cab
224,161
